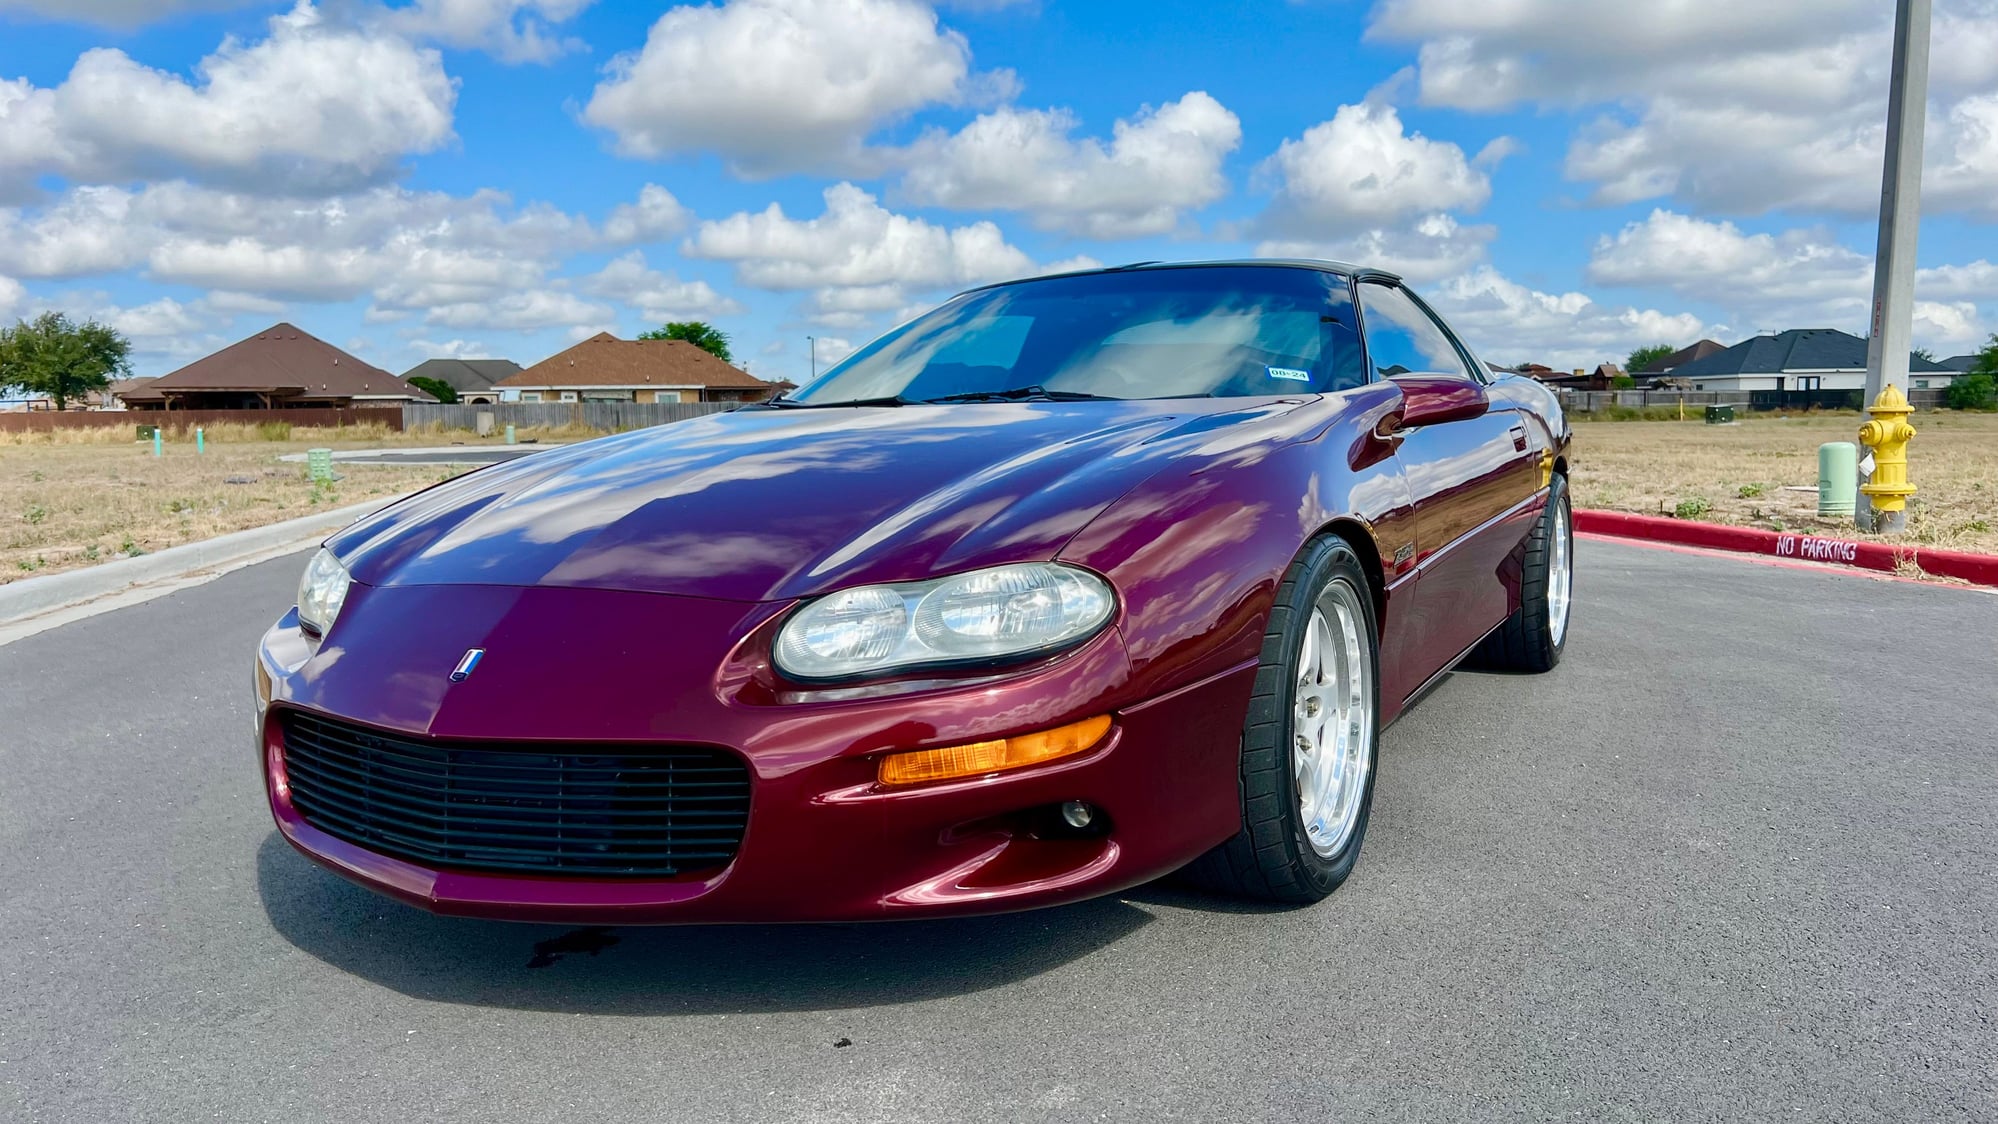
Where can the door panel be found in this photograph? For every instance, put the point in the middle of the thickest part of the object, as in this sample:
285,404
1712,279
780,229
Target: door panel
1472,483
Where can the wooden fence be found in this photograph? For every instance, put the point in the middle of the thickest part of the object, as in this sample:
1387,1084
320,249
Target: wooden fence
609,417
184,421
1590,401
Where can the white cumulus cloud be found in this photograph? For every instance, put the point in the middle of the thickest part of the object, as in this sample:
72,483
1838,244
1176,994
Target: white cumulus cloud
856,243
1362,168
510,30
777,86
1505,322
1734,106
657,296
316,106
1158,165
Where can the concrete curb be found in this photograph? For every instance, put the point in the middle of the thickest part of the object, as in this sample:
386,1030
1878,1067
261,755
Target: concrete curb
37,604
1979,569
399,451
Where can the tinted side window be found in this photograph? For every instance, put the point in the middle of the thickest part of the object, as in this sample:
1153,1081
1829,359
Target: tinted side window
1401,338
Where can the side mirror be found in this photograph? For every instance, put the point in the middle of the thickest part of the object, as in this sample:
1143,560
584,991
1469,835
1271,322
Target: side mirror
1436,399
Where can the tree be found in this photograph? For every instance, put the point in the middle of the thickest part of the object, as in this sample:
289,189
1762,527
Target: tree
1986,362
1971,392
435,388
1645,356
1977,390
58,357
1922,353
705,336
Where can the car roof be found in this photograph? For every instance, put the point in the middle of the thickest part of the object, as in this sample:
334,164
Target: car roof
1345,269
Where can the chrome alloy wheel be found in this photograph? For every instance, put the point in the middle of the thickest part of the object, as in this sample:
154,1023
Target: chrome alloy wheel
1332,718
1560,573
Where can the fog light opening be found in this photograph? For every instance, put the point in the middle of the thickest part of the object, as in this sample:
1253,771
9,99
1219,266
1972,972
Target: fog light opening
1078,815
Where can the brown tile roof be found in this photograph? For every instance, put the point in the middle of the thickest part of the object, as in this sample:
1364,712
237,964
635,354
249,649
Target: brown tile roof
605,360
282,359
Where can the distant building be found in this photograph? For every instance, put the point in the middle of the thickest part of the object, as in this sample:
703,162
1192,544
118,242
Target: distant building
1666,365
473,379
113,397
604,368
278,368
1961,364
1799,359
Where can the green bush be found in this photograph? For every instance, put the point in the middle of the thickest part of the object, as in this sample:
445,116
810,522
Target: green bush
1692,508
1972,392
1748,491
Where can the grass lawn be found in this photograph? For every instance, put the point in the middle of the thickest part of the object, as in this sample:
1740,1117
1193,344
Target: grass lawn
78,497
1739,473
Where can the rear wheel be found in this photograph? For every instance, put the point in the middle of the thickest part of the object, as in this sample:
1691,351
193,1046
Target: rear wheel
1311,740
1533,637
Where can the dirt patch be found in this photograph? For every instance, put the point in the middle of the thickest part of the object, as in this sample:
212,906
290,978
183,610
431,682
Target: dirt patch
1763,472
74,498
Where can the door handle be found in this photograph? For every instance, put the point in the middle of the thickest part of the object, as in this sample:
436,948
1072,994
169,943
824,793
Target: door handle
1519,438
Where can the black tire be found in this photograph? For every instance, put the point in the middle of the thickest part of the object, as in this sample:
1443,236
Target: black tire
1527,640
1270,857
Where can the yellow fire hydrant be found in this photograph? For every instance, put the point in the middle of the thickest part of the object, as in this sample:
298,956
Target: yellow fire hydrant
1887,435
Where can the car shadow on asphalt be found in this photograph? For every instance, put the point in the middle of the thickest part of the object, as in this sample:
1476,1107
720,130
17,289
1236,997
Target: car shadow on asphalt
669,970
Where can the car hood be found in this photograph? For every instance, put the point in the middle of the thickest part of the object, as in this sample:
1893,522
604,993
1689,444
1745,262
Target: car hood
760,505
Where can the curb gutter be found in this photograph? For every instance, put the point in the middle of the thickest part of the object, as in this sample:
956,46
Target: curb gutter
1980,569
36,604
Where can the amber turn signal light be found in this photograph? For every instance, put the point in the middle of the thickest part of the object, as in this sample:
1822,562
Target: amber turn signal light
979,758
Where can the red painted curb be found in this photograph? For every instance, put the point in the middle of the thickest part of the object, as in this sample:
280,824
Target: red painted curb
1887,557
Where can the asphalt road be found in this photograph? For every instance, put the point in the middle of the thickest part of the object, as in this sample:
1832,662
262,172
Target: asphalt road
1695,874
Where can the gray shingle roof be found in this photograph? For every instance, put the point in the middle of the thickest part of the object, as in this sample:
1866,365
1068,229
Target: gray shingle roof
1961,363
466,376
1799,349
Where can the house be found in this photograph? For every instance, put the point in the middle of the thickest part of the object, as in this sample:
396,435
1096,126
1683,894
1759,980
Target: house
280,367
1961,364
604,368
1799,359
1602,378
1668,364
473,379
112,397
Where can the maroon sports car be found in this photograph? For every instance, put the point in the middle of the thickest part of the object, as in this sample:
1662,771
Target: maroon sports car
1064,586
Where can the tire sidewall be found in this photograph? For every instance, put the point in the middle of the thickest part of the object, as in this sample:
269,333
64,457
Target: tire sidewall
1337,563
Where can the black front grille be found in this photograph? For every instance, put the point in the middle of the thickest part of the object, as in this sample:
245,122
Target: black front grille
586,810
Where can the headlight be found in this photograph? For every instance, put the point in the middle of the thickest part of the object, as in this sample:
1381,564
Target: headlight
1006,612
321,592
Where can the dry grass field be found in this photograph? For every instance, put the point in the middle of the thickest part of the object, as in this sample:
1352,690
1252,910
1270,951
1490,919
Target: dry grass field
1738,473
76,497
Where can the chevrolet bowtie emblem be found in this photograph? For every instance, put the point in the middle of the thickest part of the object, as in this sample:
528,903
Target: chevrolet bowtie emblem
465,666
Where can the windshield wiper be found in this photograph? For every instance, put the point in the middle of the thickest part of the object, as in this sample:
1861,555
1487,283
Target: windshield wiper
799,404
1026,393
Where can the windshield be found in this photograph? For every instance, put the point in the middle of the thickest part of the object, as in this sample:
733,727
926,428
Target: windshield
1227,331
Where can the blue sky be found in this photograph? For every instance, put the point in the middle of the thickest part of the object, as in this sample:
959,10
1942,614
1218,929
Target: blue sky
501,177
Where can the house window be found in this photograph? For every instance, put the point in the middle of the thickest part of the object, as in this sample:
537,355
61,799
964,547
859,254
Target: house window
530,396
1921,384
568,396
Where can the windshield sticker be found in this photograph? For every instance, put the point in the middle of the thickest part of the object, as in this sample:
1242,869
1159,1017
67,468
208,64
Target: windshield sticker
1291,373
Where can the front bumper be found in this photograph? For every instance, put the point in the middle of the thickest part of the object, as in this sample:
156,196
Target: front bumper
824,842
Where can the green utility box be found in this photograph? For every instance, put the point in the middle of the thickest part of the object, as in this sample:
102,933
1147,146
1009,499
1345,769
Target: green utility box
1720,415
319,464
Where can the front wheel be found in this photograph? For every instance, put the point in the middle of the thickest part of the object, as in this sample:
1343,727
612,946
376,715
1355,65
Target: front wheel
1311,740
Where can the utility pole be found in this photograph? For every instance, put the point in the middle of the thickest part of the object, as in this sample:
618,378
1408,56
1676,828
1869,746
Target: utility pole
812,343
1900,221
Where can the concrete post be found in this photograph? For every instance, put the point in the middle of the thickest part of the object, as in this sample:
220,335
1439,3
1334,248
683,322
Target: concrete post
1900,222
